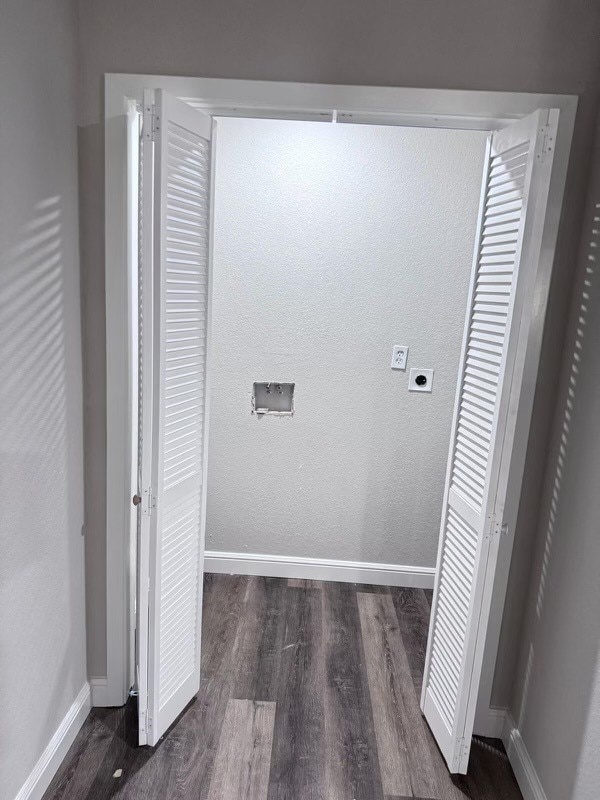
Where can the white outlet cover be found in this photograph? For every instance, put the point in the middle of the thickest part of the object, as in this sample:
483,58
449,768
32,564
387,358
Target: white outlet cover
418,386
399,356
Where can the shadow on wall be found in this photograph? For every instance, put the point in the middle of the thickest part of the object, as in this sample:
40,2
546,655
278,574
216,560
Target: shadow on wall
560,653
35,455
90,144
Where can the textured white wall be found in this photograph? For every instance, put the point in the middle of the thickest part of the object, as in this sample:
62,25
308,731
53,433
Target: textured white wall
332,244
556,701
42,629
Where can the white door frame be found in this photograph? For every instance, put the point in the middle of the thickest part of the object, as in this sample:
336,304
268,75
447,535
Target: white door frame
267,99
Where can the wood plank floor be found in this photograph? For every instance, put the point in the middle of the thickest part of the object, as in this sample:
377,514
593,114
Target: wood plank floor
310,691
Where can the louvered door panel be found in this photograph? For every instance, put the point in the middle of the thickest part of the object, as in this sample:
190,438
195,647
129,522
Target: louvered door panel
179,595
488,325
185,303
182,188
500,297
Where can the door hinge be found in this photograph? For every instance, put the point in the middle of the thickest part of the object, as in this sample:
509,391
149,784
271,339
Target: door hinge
148,501
546,142
498,528
463,749
150,124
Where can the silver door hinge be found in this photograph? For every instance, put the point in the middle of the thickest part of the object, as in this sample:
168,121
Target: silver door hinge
546,142
148,501
150,125
498,528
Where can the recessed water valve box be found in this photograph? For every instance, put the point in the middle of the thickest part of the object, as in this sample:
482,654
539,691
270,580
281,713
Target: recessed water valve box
273,398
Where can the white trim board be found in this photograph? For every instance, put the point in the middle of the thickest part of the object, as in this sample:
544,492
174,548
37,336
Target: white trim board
392,105
318,569
520,760
48,763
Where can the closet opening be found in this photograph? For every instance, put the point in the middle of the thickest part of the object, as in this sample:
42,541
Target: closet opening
335,355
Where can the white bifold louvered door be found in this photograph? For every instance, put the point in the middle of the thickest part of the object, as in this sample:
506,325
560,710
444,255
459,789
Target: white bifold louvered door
174,313
501,302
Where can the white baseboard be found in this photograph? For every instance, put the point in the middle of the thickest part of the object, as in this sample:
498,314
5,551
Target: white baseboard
492,723
51,759
520,760
319,569
99,688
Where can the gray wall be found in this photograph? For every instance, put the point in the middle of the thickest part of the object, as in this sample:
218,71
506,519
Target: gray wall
556,702
332,244
542,45
42,632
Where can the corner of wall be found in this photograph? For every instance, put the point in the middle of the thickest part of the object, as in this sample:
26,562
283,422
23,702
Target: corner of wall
555,706
520,761
49,762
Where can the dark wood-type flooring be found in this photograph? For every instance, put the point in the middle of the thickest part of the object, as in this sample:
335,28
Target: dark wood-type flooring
310,691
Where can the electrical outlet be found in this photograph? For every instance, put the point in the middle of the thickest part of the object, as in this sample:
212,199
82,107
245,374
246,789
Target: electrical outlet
420,380
399,356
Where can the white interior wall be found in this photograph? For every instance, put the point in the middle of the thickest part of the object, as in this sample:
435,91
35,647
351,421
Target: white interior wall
556,697
332,244
435,44
42,604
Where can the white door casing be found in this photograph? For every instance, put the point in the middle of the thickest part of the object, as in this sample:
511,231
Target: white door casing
514,196
175,287
176,202
391,105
